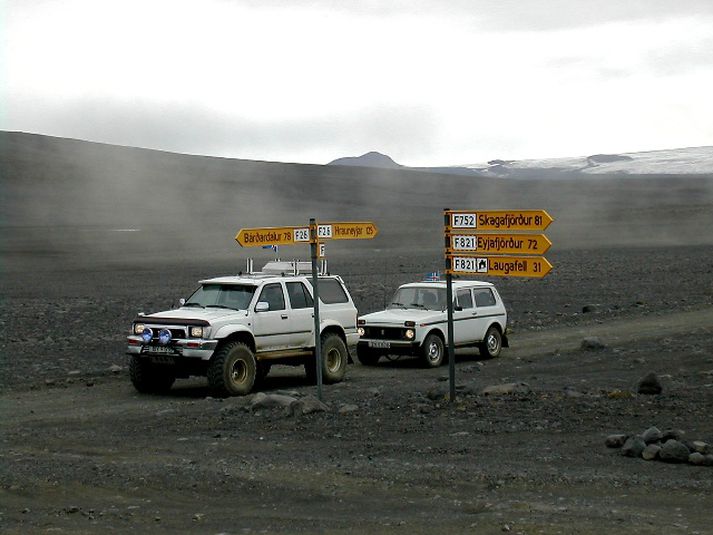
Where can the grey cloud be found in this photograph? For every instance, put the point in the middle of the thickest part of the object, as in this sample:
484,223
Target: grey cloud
178,128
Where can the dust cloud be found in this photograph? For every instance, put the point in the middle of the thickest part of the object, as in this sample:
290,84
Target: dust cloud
86,202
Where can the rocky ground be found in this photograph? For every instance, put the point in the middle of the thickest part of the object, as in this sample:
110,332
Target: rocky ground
83,452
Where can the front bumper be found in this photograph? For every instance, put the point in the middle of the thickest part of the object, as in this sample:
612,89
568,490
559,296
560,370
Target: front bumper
390,347
194,349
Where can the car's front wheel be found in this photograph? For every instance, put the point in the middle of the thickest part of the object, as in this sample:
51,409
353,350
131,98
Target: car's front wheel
149,378
233,370
492,344
433,351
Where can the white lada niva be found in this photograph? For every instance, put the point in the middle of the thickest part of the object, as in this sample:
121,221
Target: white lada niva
415,323
233,329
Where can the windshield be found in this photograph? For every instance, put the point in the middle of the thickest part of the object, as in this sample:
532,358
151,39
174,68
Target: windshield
233,296
419,297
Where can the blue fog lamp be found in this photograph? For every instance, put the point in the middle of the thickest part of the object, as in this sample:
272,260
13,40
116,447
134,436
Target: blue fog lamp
147,335
164,336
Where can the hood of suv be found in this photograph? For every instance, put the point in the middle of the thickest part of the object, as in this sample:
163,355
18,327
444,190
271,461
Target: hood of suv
397,316
195,313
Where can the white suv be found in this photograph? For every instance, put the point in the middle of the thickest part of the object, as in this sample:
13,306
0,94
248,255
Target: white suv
233,329
415,323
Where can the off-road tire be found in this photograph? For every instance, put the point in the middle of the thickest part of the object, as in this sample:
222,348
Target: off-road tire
433,351
232,370
367,357
149,378
491,346
335,357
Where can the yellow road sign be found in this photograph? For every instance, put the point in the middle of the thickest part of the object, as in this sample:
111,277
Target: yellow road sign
347,230
498,266
257,237
503,220
534,244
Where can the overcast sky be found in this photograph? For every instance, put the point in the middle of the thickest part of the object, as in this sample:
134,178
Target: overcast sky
429,82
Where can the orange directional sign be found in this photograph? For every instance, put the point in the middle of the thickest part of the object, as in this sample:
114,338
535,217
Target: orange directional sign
350,230
536,244
347,230
257,237
503,220
499,266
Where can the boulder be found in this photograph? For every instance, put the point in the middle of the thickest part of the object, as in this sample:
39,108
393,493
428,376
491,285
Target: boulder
270,401
675,434
306,405
701,447
348,408
616,440
650,385
651,435
651,452
674,451
697,458
633,447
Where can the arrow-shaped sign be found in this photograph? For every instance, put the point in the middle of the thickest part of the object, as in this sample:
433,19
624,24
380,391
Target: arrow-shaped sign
257,237
499,266
503,220
534,244
347,230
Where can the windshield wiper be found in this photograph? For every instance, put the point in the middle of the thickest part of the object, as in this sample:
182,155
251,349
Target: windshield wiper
220,306
417,305
193,305
398,304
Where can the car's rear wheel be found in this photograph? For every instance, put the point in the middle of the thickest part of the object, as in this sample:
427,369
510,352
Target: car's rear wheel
149,378
367,356
433,351
492,344
233,370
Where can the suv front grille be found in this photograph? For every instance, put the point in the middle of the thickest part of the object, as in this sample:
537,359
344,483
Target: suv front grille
385,333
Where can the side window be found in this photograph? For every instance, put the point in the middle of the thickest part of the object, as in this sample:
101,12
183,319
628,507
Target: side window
299,296
464,299
273,294
484,297
331,291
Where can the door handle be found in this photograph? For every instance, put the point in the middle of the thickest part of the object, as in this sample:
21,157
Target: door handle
284,316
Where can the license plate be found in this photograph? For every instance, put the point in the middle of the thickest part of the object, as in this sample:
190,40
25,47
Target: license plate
379,344
159,350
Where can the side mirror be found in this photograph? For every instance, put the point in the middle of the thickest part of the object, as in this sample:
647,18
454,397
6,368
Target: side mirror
182,301
262,306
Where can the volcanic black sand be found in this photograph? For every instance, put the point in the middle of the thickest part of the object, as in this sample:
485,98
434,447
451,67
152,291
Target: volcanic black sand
82,452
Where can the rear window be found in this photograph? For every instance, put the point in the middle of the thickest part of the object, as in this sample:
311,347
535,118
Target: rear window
299,296
331,291
484,297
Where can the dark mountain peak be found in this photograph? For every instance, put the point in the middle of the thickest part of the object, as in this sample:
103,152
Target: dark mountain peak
370,159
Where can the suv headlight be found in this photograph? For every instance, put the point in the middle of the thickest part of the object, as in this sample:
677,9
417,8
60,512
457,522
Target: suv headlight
361,331
196,332
139,328
410,333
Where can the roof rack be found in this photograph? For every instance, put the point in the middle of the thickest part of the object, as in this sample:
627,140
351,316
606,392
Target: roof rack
286,267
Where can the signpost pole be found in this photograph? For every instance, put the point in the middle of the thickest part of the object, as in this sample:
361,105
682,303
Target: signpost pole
314,249
449,300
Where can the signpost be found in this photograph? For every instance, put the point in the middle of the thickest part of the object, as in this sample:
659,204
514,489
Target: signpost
496,243
312,234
